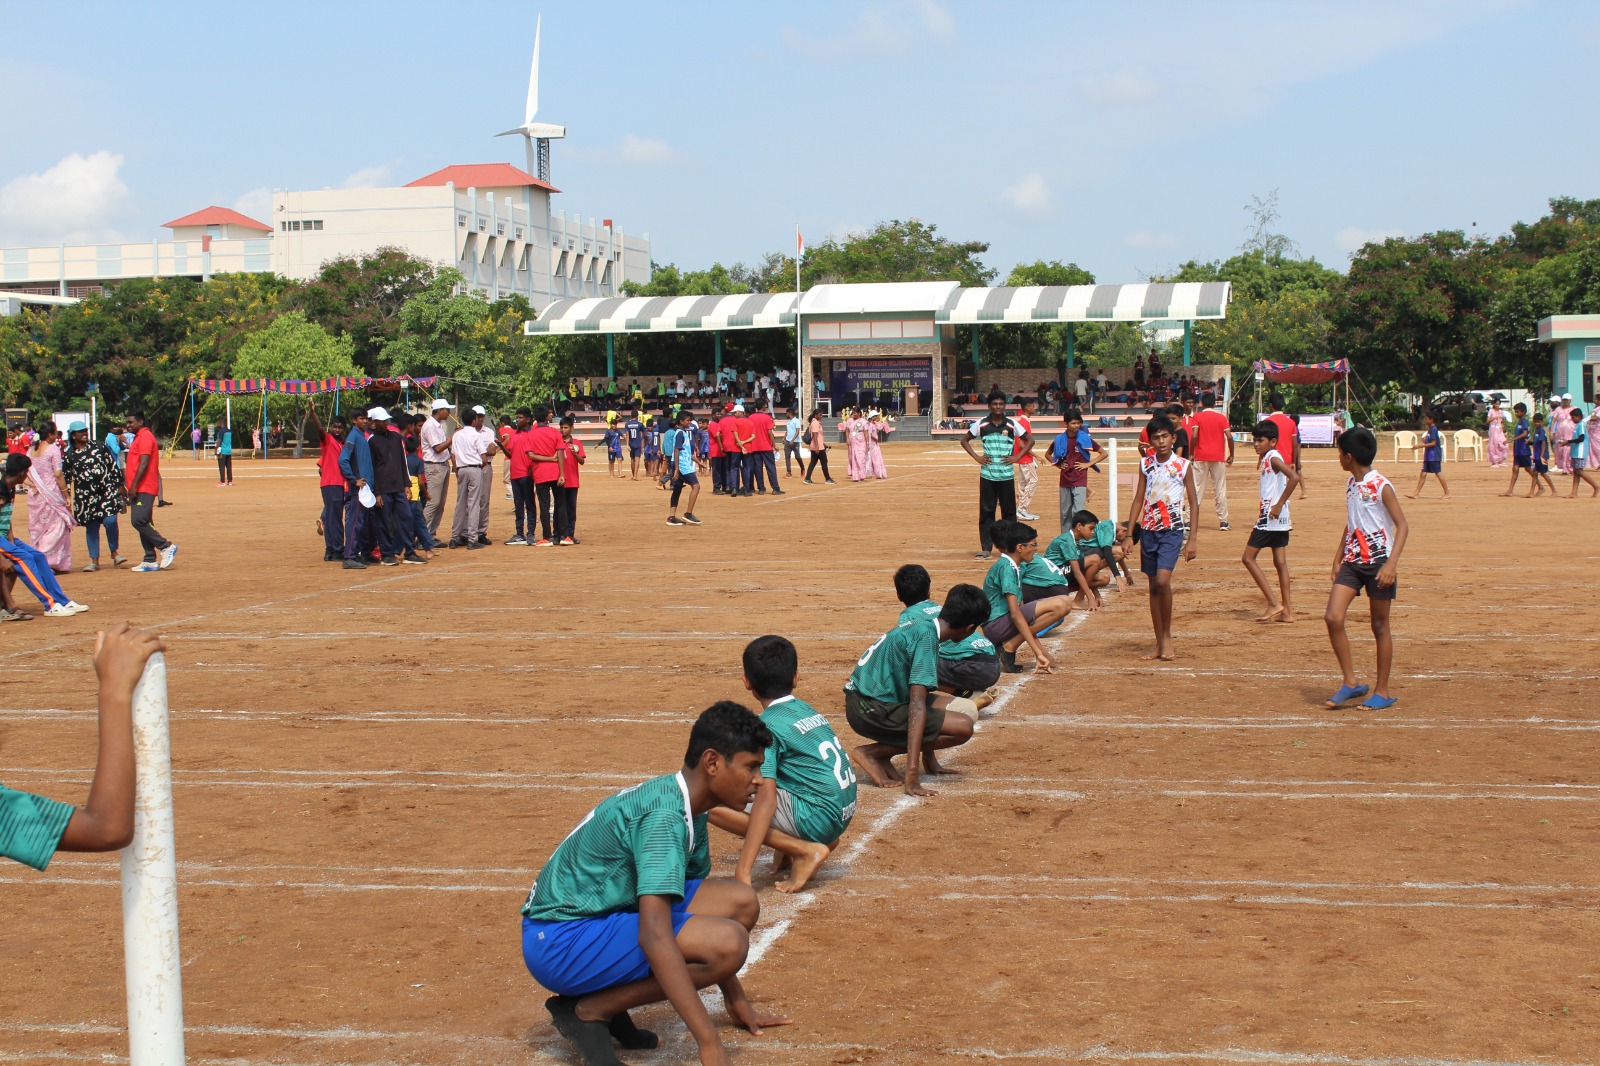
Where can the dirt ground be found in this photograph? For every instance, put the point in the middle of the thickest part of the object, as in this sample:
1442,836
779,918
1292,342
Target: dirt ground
1186,862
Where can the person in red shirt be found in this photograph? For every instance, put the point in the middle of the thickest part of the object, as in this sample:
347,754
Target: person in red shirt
1288,437
331,524
765,458
507,429
144,485
732,454
1211,445
520,471
543,444
744,435
714,452
1027,467
571,457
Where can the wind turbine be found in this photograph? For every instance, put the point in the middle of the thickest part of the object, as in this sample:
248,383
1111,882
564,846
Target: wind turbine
536,133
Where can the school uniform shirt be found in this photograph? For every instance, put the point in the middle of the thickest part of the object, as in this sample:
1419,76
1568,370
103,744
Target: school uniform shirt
714,438
1368,528
1288,435
434,433
144,443
643,841
545,440
1165,500
744,428
569,454
761,423
1272,485
467,447
998,441
726,428
1208,441
31,826
906,655
1432,452
807,761
1003,577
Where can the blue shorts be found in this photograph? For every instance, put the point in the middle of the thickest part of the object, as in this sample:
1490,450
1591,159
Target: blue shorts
616,453
691,478
1159,549
633,452
1430,466
585,955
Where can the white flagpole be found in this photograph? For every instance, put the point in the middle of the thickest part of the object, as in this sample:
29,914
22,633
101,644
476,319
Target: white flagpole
799,341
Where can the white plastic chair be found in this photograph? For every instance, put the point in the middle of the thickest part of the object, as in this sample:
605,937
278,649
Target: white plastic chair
1406,440
1468,440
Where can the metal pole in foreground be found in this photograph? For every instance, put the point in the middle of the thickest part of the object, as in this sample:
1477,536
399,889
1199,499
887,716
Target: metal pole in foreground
1116,514
150,886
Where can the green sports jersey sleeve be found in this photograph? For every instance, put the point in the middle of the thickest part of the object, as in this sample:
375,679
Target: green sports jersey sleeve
1063,550
1003,577
31,826
699,865
924,656
972,647
919,611
1040,572
661,853
1105,533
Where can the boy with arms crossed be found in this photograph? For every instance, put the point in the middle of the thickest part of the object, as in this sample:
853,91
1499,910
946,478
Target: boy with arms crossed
1012,620
807,793
888,697
33,828
1366,559
1163,497
1278,480
624,913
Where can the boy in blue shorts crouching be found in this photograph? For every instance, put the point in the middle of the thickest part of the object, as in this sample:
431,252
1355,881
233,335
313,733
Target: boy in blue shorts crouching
624,913
807,794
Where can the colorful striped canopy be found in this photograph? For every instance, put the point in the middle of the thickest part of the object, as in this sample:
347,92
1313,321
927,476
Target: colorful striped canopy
233,386
1304,373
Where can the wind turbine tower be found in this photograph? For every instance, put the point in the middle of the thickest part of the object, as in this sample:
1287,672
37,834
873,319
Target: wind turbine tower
536,135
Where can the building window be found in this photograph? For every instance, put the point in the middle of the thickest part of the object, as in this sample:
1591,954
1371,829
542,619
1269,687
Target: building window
298,225
461,220
519,233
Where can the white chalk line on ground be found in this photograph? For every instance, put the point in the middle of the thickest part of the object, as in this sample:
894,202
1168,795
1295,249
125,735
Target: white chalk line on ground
375,718
1355,721
763,941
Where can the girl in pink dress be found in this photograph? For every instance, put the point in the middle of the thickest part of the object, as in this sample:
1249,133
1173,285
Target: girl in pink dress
877,429
1560,433
1591,430
49,516
1499,448
855,430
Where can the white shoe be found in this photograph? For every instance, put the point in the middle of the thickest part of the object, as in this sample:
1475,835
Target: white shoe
60,610
77,608
1027,517
166,555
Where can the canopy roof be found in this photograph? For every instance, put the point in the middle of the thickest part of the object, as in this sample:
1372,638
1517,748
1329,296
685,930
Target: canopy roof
946,301
1304,373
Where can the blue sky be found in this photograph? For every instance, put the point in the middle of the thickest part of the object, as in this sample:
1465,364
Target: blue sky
1126,137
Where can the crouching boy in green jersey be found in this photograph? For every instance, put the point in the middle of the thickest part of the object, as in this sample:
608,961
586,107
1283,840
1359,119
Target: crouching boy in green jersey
807,794
889,699
624,913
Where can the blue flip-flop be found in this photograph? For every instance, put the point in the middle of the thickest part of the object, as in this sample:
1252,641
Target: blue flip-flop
1376,702
1347,693
1048,628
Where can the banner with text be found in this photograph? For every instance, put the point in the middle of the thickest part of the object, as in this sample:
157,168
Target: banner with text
880,375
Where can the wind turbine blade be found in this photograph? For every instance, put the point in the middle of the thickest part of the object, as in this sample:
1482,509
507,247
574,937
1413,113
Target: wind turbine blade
533,77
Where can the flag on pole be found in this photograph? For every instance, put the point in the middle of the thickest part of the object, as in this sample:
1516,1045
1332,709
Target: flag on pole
799,243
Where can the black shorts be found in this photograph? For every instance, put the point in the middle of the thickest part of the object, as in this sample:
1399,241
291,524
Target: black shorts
1039,592
887,723
1524,461
1363,577
1269,538
967,676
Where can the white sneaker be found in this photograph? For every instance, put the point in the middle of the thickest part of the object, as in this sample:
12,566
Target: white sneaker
166,555
146,568
1027,517
60,610
77,608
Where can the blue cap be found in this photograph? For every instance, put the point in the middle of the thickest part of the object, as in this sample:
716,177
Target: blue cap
77,427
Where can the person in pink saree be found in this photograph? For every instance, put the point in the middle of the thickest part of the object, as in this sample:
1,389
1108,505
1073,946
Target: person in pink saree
854,428
1499,447
1561,430
49,516
878,428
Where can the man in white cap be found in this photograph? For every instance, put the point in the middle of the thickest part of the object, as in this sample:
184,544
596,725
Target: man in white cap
390,480
434,441
470,448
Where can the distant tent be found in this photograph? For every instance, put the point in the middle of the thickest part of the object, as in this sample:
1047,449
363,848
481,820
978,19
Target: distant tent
1304,373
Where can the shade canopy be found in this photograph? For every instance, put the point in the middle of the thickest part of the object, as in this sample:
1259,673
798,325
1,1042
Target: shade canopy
1186,300
1304,373
665,314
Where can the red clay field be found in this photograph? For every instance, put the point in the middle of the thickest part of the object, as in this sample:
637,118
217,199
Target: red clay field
1190,862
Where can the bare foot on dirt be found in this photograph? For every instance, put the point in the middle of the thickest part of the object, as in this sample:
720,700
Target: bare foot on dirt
804,868
880,771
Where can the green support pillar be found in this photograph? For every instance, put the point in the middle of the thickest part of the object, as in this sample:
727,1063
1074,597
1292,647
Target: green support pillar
611,355
977,355
1188,347
717,350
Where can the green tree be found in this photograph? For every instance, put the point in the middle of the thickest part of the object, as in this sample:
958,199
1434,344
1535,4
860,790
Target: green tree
1414,312
362,297
893,251
288,348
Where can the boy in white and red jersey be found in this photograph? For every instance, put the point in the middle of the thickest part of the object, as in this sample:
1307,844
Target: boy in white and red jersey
1271,531
1164,500
1369,551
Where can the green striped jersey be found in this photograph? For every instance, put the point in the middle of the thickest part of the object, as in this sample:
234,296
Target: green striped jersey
1040,572
641,842
1003,577
969,648
918,611
31,826
807,761
906,655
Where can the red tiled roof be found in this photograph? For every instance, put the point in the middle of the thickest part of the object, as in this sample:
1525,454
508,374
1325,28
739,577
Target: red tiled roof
218,216
482,176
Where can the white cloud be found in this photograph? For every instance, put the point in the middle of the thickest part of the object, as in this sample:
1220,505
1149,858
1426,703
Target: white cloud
1030,196
1353,237
891,28
1146,239
257,203
75,200
644,151
376,177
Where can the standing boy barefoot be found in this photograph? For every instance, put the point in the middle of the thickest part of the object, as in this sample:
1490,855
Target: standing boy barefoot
33,828
889,697
625,913
1163,499
1278,480
807,794
1432,459
1366,559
